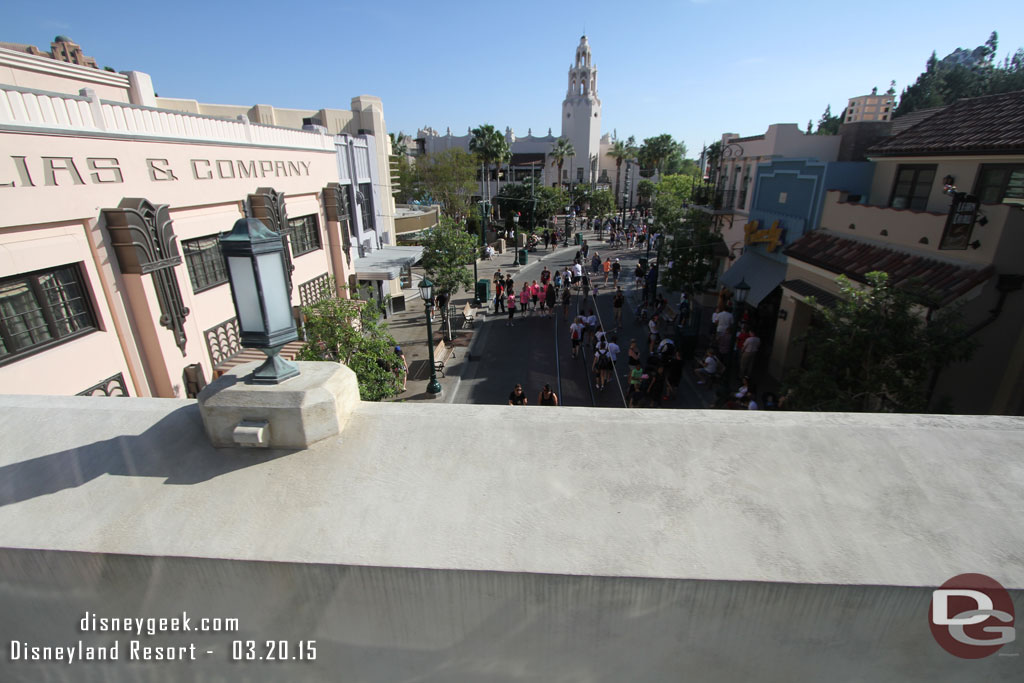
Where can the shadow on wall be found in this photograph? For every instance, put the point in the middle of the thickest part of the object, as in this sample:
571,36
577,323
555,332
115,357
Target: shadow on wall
175,448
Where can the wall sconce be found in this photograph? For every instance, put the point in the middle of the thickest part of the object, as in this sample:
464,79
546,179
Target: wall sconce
948,180
983,220
884,233
923,240
853,226
259,290
783,314
948,185
976,244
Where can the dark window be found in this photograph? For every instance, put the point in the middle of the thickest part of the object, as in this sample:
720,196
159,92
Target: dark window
42,309
1001,183
913,183
206,267
305,234
366,205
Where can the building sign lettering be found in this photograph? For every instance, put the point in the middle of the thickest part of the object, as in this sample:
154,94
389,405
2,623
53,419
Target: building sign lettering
65,171
963,212
770,237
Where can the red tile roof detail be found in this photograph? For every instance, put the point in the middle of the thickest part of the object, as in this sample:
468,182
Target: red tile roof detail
939,282
993,124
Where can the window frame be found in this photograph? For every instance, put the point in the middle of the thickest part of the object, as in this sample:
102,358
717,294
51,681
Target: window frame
1011,167
366,211
301,228
917,169
36,287
190,256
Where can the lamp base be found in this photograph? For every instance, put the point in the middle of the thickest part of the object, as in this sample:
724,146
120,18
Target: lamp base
275,369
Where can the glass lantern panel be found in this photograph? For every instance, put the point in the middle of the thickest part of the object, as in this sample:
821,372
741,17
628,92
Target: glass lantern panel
275,291
243,280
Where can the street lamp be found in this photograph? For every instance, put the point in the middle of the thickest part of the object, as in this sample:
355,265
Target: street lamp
515,235
741,291
258,277
565,232
484,210
426,292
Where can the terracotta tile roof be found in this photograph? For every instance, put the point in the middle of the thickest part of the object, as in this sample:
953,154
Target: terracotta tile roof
940,282
993,124
910,120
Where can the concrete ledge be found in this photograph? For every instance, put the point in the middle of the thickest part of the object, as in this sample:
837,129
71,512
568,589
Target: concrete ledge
298,412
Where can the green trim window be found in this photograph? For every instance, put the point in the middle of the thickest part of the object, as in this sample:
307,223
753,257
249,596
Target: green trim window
42,309
913,183
206,267
1001,183
305,234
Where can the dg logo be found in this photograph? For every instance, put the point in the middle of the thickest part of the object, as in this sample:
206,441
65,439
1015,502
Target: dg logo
971,616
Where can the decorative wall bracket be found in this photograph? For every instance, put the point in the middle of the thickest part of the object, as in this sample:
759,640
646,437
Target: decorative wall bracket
267,204
143,237
337,208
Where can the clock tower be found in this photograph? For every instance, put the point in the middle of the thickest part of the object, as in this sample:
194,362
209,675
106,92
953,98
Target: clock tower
581,117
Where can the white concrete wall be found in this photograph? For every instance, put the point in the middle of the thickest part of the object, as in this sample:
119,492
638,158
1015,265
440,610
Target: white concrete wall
375,624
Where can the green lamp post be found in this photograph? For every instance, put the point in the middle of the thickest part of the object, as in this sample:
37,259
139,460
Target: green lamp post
427,293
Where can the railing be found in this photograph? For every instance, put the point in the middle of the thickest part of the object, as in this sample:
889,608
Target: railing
223,341
111,386
86,112
315,290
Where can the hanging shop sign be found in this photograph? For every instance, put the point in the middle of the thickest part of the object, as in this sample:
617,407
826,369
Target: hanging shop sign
770,237
963,212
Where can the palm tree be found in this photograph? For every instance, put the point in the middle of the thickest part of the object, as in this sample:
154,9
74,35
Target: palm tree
490,145
399,144
559,151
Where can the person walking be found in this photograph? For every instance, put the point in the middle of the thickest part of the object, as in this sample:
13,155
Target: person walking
511,309
616,270
401,368
602,365
748,353
566,301
618,301
547,397
550,295
499,295
524,298
534,294
606,267
547,239
576,335
595,263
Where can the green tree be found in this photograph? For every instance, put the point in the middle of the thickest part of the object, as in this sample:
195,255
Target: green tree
520,197
447,249
560,151
602,203
399,144
689,238
353,333
620,151
645,192
828,124
656,151
876,351
490,147
447,178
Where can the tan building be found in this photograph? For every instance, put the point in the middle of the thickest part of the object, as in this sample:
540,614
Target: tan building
62,49
111,276
944,210
873,107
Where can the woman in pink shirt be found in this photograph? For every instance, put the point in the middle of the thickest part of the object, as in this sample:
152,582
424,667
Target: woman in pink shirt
524,297
534,294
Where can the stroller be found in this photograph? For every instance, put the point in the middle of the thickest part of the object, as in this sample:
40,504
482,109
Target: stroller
641,313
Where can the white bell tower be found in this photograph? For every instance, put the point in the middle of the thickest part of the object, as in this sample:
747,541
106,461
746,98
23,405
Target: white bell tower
581,114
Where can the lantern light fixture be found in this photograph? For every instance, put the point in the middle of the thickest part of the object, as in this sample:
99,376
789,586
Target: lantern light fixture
257,273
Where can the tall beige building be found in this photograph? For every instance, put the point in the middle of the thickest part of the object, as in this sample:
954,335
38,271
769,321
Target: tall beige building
873,107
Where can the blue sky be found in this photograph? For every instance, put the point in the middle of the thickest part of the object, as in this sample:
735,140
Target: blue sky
692,68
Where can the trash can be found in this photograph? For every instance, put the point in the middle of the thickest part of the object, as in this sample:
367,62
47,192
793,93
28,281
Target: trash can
579,238
483,290
522,257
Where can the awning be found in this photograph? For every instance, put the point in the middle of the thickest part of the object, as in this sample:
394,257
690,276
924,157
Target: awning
386,263
762,274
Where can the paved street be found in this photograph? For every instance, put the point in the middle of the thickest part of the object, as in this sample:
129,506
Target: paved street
491,358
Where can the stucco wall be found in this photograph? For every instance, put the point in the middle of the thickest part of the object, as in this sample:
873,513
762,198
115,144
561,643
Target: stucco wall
396,624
